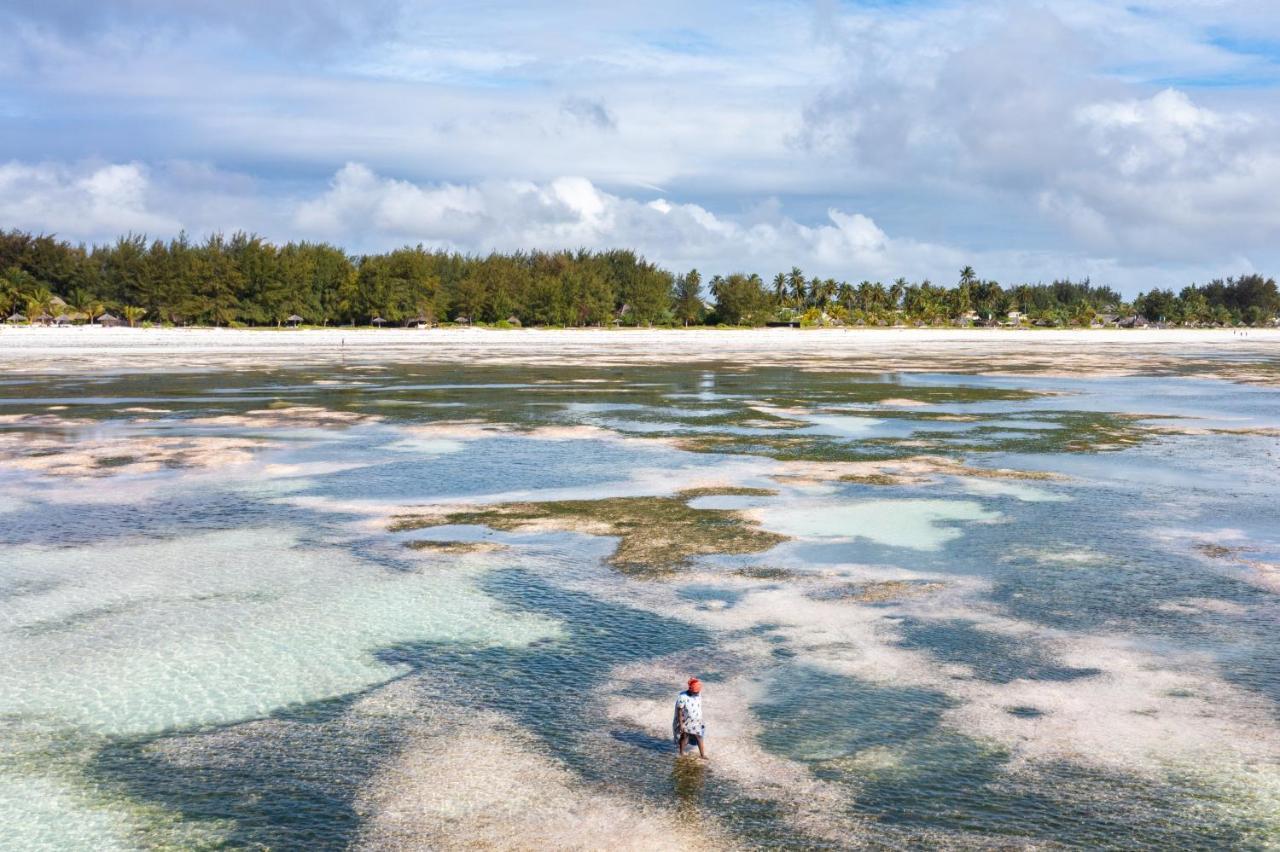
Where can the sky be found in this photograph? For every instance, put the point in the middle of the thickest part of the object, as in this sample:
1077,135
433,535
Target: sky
1134,143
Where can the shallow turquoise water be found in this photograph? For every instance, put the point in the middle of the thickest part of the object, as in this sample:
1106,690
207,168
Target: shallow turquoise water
192,649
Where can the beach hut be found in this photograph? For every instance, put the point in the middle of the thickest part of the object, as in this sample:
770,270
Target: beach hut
62,319
106,320
378,321
417,322
293,320
17,318
43,319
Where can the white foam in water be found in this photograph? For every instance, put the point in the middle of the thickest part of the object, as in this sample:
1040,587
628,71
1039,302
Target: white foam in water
427,446
1004,488
220,627
915,524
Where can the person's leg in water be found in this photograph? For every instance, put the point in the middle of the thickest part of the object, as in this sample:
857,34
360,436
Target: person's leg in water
702,751
684,741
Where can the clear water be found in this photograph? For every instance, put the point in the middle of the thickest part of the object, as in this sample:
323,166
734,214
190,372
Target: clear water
235,650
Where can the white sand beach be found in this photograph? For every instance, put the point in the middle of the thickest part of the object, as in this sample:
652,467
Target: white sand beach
1075,351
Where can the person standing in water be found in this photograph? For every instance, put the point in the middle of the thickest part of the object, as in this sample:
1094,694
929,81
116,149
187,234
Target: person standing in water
687,726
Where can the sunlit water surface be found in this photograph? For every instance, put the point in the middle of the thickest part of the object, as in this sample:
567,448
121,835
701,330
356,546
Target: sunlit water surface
239,651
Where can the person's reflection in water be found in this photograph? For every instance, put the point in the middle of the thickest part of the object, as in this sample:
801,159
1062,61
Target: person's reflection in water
688,777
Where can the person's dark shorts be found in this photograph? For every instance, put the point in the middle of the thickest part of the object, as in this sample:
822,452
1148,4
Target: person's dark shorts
694,739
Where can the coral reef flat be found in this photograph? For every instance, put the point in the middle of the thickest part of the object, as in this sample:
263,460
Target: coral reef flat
439,588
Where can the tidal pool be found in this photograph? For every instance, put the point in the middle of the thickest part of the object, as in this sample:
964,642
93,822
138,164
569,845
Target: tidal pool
399,605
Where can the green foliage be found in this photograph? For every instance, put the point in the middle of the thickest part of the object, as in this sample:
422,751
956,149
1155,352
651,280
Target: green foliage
741,299
246,280
686,297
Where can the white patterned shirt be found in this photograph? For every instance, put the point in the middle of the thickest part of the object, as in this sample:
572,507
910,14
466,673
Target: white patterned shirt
691,704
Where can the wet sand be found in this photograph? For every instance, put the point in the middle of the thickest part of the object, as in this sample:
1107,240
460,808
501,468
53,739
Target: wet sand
638,344
1209,353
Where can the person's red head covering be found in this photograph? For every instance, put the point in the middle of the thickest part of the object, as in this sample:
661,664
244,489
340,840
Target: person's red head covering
695,685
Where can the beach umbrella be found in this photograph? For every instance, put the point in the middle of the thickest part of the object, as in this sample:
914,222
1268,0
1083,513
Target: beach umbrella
293,319
108,319
379,321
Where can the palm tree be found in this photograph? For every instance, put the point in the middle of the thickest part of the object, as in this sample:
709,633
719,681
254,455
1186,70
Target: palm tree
780,288
133,313
796,282
968,277
39,302
896,291
86,304
845,295
717,284
822,290
866,296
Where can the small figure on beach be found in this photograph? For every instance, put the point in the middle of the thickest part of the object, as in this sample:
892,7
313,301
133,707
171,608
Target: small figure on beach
687,726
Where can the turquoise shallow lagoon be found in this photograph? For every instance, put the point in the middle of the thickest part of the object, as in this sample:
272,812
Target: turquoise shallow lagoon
937,609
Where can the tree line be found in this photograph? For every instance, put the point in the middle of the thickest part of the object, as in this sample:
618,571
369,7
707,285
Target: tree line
245,280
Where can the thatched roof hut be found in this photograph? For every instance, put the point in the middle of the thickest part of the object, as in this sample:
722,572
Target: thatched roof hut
293,319
16,317
108,320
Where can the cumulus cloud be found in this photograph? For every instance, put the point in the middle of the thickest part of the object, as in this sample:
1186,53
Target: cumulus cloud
92,201
1165,172
1008,106
873,139
572,212
365,211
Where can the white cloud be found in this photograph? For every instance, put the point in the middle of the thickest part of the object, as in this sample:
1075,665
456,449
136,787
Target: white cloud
1008,107
572,212
364,211
1013,134
90,201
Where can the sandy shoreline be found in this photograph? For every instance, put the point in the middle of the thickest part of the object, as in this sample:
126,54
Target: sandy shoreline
29,339
1248,357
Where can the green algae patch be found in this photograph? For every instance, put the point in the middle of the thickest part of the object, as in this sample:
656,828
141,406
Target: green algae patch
116,461
764,572
694,493
451,547
884,591
870,478
1220,551
656,535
